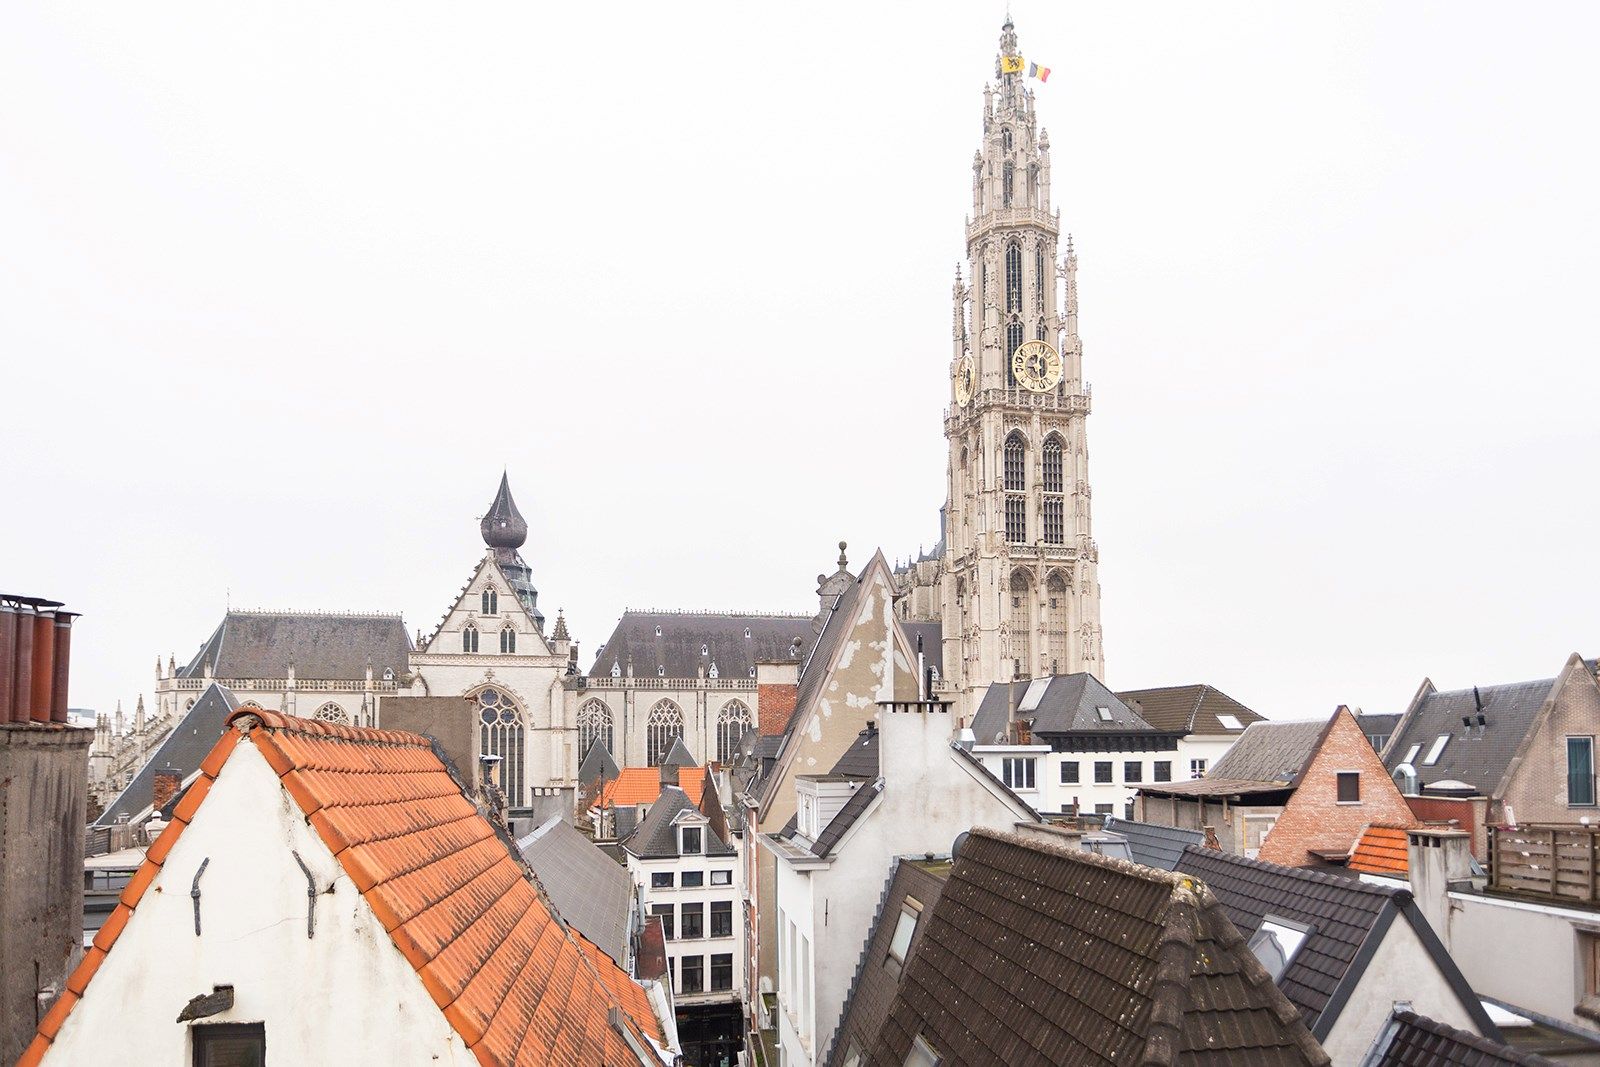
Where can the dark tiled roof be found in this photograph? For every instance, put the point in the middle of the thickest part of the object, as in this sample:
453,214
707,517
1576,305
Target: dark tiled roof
1142,967
684,634
847,817
262,644
1478,758
877,977
657,837
191,739
1069,704
678,755
589,889
932,634
1341,910
1154,846
1378,724
597,763
516,985
814,669
1270,751
860,760
1211,786
1188,709
1411,1040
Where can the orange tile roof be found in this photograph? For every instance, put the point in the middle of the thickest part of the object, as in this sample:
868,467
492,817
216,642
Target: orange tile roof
642,785
517,985
1381,850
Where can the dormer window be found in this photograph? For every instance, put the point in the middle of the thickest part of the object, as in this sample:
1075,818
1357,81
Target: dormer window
689,841
747,631
752,672
658,631
491,602
661,672
705,650
713,671
616,669
388,674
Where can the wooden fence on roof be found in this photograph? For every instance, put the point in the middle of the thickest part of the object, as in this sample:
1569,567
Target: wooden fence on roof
1556,863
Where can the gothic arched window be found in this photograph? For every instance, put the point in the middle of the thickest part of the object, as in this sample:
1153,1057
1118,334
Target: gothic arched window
1013,342
1016,478
1005,137
1042,331
732,722
1054,504
508,640
1056,632
1013,277
503,733
491,602
1009,174
594,724
331,712
469,638
1022,622
1040,281
664,726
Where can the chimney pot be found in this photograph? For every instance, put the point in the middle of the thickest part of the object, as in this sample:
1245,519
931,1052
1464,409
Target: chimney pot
8,654
164,787
44,665
22,667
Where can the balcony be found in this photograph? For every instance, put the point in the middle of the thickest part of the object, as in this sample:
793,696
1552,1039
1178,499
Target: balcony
1557,864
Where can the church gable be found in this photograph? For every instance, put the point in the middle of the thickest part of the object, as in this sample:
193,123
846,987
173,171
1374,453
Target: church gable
488,607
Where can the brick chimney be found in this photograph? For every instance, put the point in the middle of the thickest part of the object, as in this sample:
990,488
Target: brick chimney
165,786
1211,838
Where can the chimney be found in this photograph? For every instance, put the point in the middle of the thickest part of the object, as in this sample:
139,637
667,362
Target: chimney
44,662
22,667
669,774
58,685
1211,838
1438,861
8,657
165,786
914,744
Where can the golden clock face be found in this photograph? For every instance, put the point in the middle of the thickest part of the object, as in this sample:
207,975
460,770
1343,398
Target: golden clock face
965,380
1036,366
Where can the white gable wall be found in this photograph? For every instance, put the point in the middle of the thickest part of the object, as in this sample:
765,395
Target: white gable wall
346,995
1401,970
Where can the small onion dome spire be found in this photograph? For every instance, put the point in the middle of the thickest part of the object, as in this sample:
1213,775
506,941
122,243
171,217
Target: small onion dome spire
504,526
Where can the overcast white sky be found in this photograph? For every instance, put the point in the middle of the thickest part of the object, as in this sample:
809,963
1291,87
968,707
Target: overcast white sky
284,287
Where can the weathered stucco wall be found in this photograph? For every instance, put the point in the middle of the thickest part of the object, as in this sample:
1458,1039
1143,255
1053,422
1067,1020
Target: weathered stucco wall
44,782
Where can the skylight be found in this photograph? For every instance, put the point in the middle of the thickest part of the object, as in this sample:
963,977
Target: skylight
1435,750
1276,943
1230,722
1104,713
1034,694
1411,754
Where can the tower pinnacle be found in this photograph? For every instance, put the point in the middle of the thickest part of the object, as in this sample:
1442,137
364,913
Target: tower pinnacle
504,527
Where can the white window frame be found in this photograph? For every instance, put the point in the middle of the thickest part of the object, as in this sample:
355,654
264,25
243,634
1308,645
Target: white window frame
1436,750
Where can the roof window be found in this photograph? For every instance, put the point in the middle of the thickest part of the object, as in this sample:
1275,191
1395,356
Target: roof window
1104,713
658,631
1411,754
747,631
1230,722
1276,943
661,672
1435,750
616,669
705,650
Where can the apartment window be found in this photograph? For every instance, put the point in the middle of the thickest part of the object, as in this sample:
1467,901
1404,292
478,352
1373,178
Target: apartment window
1069,809
691,841
1378,741
1102,772
1132,771
722,918
693,879
1197,768
694,975
904,927
1018,773
230,1045
1127,811
721,877
1104,809
660,879
1069,772
665,912
1163,770
1580,771
693,917
1349,787
721,971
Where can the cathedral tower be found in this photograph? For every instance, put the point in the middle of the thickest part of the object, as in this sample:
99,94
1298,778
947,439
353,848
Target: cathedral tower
1020,595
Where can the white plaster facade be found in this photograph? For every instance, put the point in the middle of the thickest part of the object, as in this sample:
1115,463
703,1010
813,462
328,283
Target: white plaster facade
930,794
1070,782
712,892
344,995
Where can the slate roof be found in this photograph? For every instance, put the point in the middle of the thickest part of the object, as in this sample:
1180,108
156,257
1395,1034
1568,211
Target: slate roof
657,838
860,760
642,785
1478,758
1270,751
182,749
684,634
814,669
1348,918
513,982
597,763
932,634
1154,846
1212,786
1412,1040
1188,709
678,755
589,889
1142,965
1067,703
1381,850
1382,723
262,644
847,817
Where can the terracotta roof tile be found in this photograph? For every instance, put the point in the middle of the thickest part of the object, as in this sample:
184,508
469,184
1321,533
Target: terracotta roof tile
1381,850
518,986
642,785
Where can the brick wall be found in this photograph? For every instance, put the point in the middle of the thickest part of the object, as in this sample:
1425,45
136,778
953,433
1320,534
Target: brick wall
775,704
1315,819
1537,791
1465,813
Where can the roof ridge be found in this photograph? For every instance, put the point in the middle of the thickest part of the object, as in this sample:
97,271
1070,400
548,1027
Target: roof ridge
1038,842
314,614
1307,873
708,612
277,720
